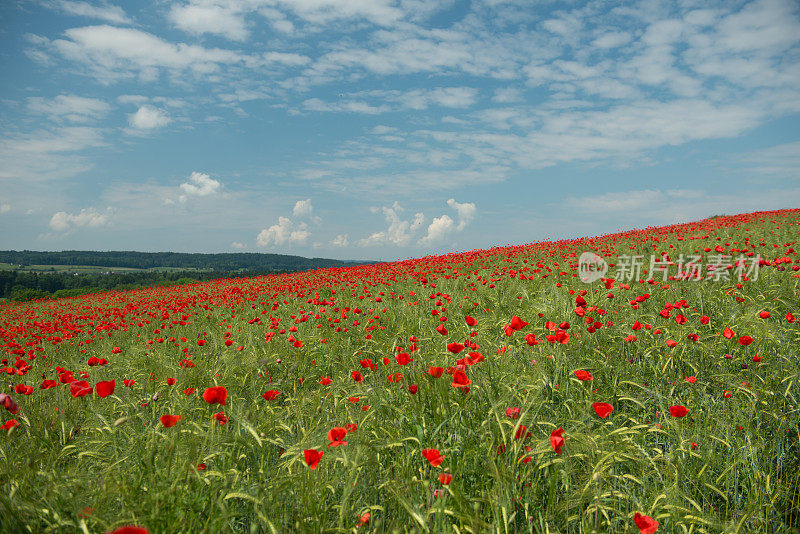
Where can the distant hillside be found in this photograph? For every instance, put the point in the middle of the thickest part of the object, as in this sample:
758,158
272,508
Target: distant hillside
246,261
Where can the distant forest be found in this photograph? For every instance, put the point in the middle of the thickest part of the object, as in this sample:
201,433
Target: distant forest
25,285
249,261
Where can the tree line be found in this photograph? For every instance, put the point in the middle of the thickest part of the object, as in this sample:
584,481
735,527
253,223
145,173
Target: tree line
25,286
249,261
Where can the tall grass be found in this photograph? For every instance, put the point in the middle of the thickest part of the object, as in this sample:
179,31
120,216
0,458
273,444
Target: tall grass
93,464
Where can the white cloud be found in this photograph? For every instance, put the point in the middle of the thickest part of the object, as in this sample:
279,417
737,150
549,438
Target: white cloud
4,207
383,130
347,106
112,53
227,18
782,161
399,232
675,206
44,155
69,107
341,240
238,245
148,118
200,185
466,212
451,97
635,200
283,232
209,18
439,228
507,95
416,99
88,217
612,39
380,12
113,14
303,208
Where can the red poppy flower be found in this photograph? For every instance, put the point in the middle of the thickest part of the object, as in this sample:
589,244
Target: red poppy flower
728,333
105,388
188,391
325,380
24,389
471,321
584,375
513,413
357,376
433,456
171,381
130,530
66,377
395,377
215,395
473,358
646,524
271,394
745,340
691,379
460,379
557,439
403,358
455,348
8,403
671,343
129,383
412,389
47,384
79,388
445,478
336,436
531,340
520,433
312,457
764,315
221,417
11,423
351,427
170,420
602,409
441,329
678,411
436,372
517,324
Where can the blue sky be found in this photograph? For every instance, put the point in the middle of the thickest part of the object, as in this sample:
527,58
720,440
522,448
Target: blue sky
387,129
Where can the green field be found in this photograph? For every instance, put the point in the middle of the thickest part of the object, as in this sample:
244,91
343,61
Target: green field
486,391
89,269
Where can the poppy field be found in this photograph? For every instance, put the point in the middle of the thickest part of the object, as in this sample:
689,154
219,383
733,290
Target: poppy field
484,391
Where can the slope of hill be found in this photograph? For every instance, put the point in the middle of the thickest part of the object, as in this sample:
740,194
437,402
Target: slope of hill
251,261
641,381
